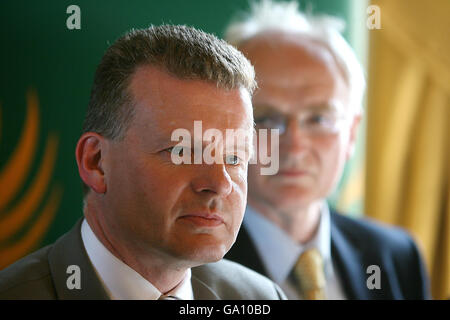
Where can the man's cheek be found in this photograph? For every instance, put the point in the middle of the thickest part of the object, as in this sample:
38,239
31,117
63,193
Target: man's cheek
239,178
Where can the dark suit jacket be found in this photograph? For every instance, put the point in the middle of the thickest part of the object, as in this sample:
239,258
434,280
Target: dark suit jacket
43,275
355,245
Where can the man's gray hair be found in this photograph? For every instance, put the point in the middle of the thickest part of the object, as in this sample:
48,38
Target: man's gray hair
267,15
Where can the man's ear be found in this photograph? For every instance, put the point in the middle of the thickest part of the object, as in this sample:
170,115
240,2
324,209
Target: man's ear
89,159
353,134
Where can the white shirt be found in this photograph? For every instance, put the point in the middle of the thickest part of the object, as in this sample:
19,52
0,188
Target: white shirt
279,252
119,280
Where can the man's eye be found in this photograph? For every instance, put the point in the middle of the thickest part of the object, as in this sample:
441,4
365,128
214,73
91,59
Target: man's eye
177,150
232,160
319,119
271,122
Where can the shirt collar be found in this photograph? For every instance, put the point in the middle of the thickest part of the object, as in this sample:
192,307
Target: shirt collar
122,282
278,251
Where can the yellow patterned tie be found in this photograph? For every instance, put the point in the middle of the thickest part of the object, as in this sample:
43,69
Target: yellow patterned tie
310,274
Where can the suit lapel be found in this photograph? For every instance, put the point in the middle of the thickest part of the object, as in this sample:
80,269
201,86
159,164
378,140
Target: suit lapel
201,290
349,263
69,250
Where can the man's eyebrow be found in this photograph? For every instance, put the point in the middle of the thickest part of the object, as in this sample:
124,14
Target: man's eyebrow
246,147
327,106
264,109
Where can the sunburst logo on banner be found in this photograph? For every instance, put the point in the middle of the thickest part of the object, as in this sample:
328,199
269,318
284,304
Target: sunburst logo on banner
25,215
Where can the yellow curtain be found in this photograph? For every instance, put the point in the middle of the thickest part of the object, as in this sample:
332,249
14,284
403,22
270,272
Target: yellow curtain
408,136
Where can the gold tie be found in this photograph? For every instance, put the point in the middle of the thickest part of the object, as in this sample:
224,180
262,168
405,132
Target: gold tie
310,275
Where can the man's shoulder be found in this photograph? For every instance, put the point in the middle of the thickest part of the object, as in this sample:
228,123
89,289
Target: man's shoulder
369,232
28,278
231,281
392,248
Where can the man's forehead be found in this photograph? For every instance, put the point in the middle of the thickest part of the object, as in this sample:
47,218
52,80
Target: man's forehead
164,103
160,126
153,88
167,125
273,41
288,52
294,70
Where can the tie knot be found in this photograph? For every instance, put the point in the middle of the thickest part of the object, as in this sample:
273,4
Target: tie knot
164,297
310,274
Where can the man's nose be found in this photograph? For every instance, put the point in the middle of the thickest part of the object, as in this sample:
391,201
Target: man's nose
294,140
214,179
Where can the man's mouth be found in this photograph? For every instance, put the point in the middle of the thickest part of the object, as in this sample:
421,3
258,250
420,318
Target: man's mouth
293,173
203,219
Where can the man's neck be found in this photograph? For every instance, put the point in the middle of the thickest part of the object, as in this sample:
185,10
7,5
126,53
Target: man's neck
300,223
156,269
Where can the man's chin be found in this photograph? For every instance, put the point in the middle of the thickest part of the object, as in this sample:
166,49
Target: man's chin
291,200
203,253
201,259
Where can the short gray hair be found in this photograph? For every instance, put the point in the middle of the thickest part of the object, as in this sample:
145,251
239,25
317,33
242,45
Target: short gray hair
286,16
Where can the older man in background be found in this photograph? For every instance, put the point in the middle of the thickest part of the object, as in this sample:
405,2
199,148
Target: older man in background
310,89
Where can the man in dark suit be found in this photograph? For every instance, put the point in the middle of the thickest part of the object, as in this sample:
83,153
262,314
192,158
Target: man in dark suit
157,221
310,89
